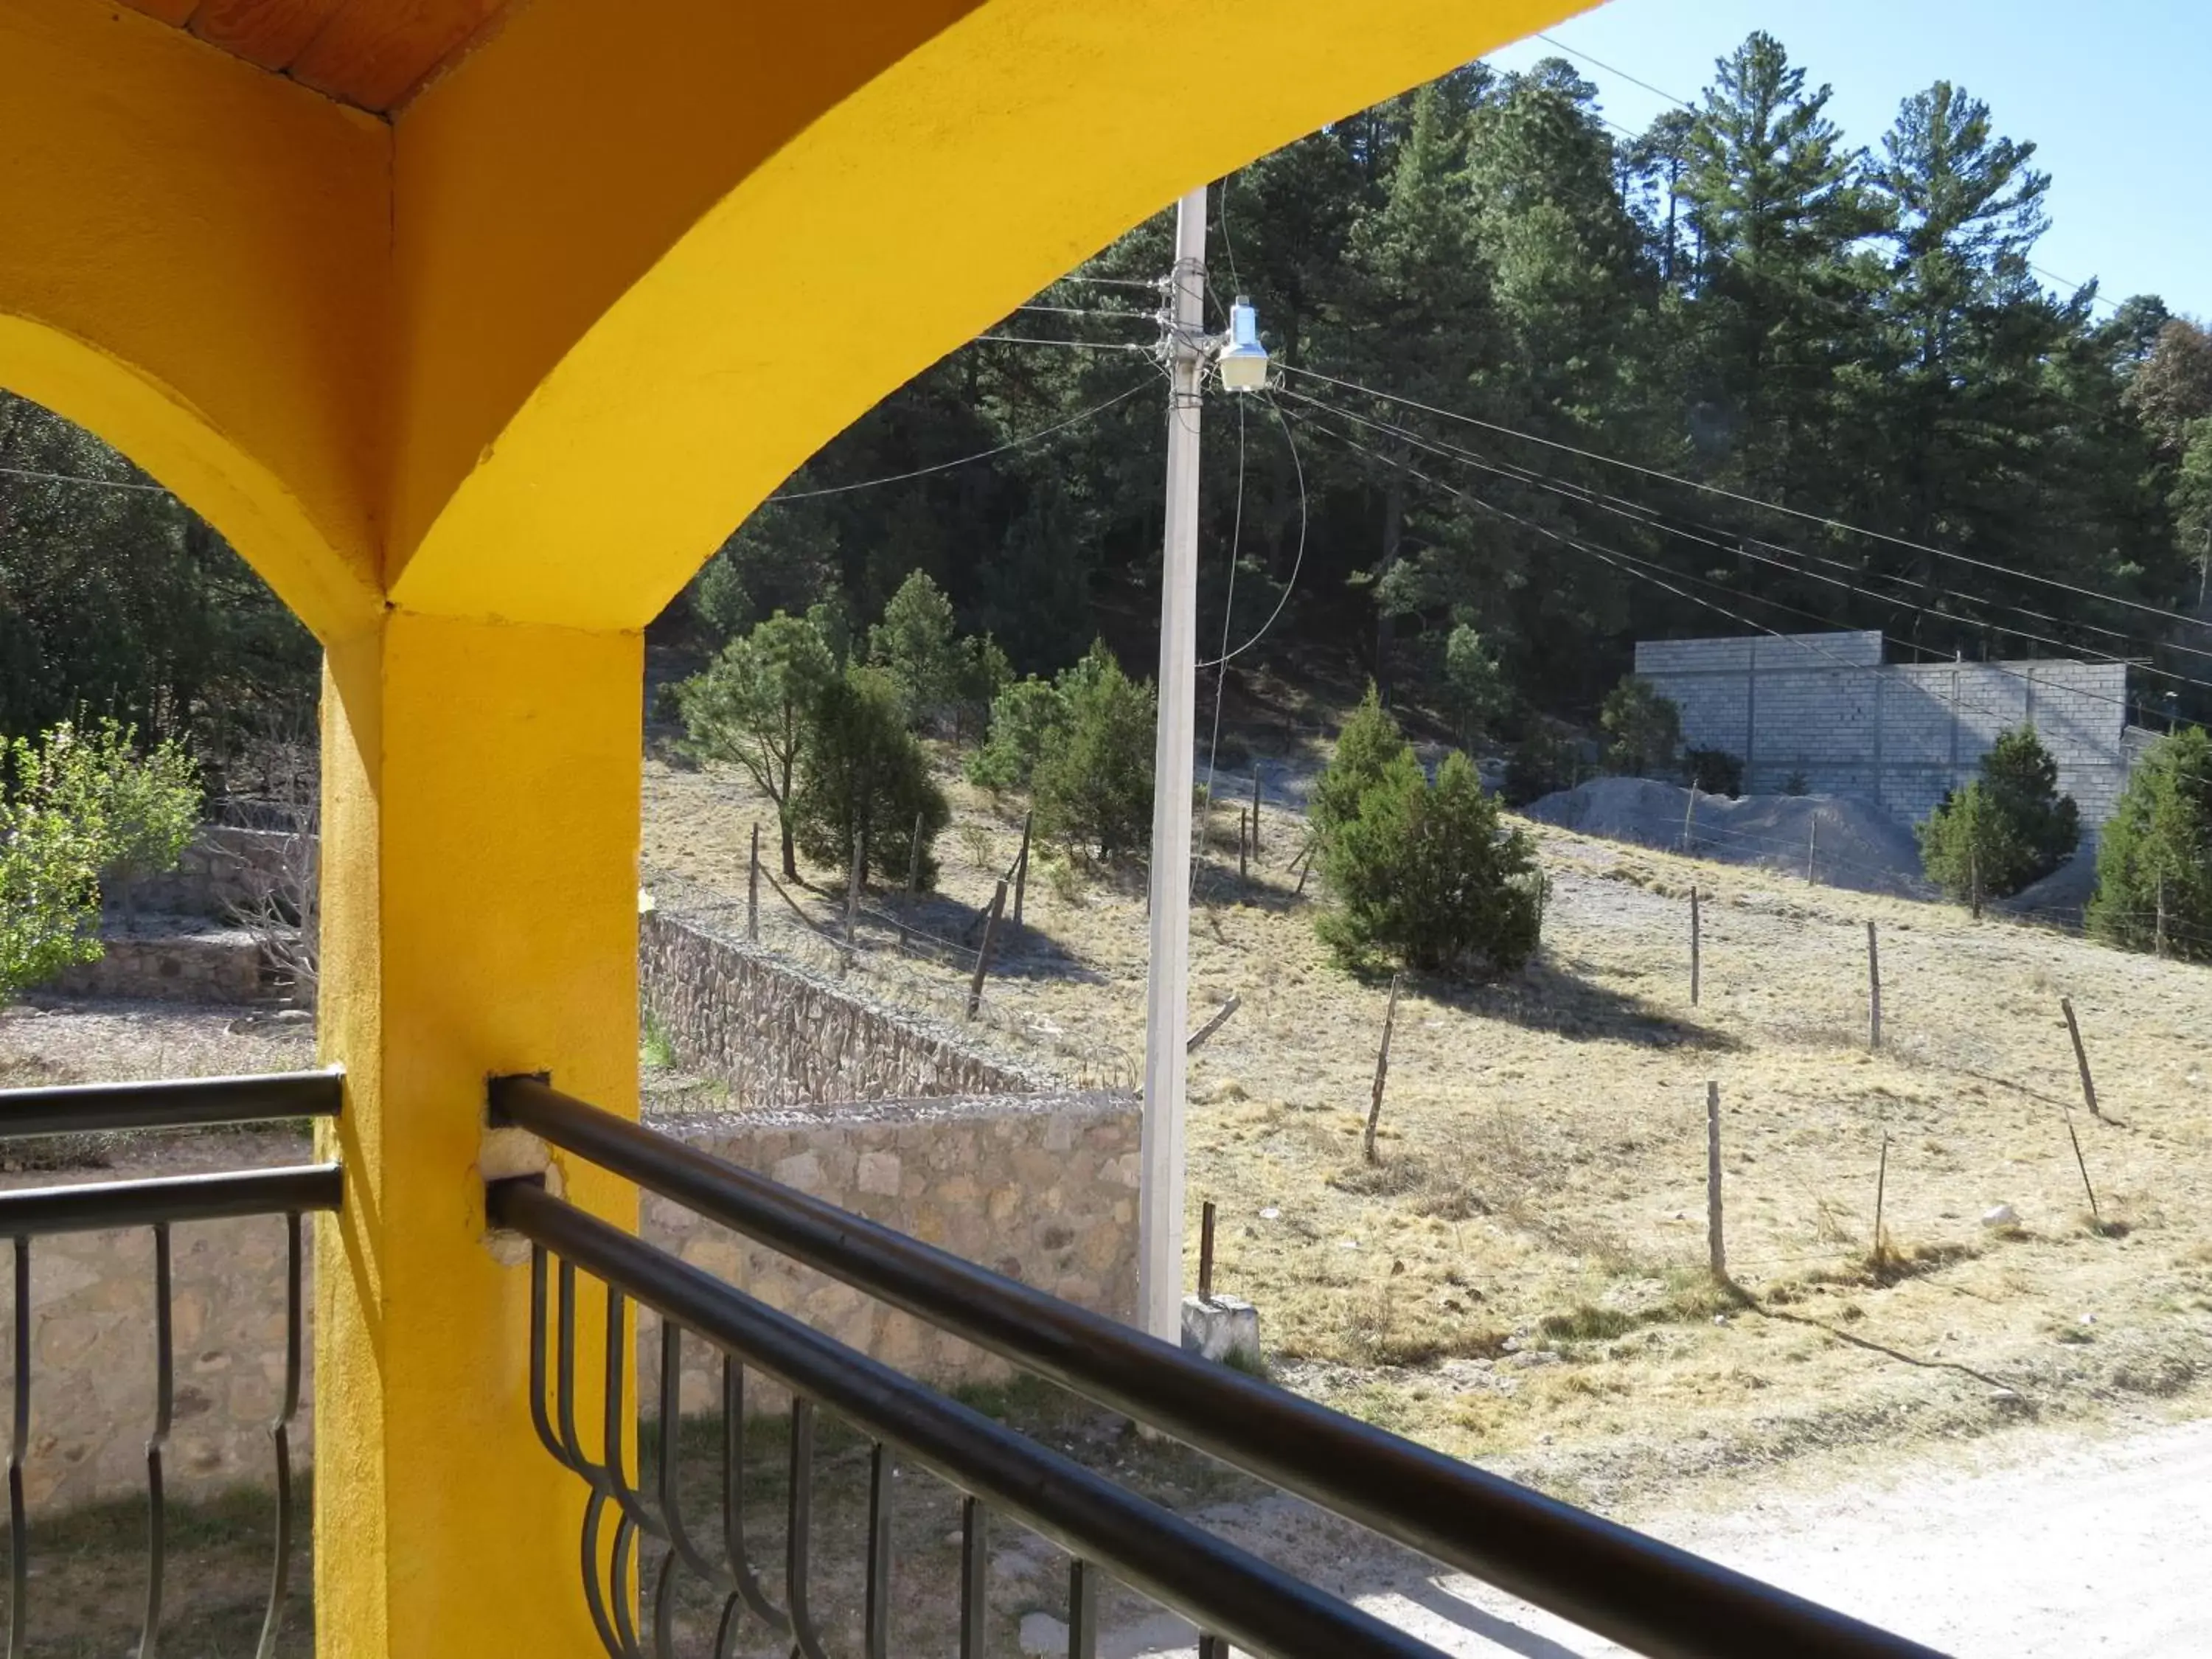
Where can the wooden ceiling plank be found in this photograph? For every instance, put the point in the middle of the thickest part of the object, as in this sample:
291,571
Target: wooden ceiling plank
269,32
373,52
176,13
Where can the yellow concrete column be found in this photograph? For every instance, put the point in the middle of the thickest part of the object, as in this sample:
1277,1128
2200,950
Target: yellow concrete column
480,916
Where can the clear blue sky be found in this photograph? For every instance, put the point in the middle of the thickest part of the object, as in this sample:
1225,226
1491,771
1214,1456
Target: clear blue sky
2116,96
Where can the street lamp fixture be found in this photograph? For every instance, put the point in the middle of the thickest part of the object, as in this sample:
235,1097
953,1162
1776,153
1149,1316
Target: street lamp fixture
1242,361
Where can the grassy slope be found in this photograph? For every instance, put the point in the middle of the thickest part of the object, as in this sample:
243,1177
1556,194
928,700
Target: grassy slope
1525,1267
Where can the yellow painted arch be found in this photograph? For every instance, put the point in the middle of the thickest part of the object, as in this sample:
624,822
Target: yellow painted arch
962,157
192,266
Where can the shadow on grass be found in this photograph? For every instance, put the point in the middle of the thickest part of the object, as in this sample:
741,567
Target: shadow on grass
1547,996
88,1590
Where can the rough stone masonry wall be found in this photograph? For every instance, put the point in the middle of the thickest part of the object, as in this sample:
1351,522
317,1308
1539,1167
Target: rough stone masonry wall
1824,707
779,1034
1042,1188
222,867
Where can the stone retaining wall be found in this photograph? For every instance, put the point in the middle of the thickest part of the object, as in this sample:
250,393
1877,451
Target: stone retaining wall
1042,1189
1043,1186
222,867
779,1035
178,959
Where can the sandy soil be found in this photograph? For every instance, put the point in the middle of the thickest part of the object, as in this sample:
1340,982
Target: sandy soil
1522,1277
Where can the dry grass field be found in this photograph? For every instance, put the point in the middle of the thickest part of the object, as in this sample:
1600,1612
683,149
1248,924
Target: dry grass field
1522,1276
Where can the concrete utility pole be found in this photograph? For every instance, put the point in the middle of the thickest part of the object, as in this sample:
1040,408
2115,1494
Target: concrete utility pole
1159,1223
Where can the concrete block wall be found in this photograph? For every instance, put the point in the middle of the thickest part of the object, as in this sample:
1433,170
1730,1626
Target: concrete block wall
1824,708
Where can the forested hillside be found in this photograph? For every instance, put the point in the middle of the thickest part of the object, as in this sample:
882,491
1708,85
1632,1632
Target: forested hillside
1744,298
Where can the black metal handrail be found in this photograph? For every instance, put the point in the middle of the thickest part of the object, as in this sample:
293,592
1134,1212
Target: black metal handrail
191,1103
1234,1596
1648,1596
159,1203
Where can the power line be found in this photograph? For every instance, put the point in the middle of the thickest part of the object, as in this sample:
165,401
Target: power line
1077,345
966,460
1598,64
1297,560
1637,513
1626,562
1821,518
79,478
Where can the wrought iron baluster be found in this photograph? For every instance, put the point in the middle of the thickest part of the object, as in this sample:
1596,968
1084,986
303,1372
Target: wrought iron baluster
280,1432
879,1620
747,1581
540,1417
668,1483
617,1421
975,1563
619,1592
19,1537
1082,1610
595,1596
164,1389
564,1373
806,1642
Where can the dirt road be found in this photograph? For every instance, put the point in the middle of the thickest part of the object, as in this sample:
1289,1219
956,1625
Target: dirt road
2100,1548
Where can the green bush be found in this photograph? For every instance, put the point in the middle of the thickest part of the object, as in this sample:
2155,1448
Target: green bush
863,775
1475,690
1714,771
1540,764
917,645
1093,781
2157,846
1424,874
754,708
1365,748
78,808
1644,730
2008,827
1024,717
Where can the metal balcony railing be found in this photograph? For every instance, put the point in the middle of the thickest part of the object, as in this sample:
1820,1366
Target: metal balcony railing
159,1204
1646,1595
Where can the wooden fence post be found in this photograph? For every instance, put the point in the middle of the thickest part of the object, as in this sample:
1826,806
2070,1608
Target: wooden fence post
752,891
1243,835
1715,1238
1255,809
1881,1191
1873,990
1812,848
853,888
2080,1057
2096,1220
983,955
1689,817
1022,865
1382,1071
1205,1253
1696,942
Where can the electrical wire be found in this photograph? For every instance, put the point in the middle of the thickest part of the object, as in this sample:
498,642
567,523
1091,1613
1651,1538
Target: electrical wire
1297,560
1636,512
1077,311
79,478
1595,64
1077,345
1819,519
1022,442
1228,611
1614,555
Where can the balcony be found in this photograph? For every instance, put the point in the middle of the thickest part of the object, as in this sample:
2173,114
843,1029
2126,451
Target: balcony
885,1496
